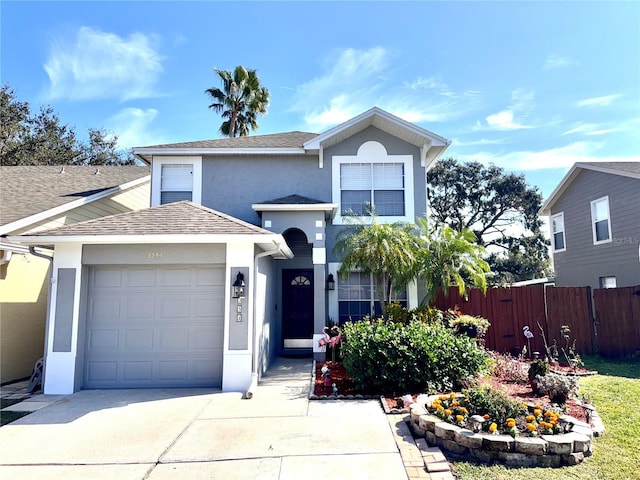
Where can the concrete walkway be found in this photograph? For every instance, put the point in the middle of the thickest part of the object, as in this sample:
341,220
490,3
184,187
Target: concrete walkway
199,434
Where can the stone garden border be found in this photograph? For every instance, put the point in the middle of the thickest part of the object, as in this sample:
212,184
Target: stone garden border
540,451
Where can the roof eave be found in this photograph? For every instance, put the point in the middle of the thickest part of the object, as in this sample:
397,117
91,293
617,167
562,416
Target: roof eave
147,154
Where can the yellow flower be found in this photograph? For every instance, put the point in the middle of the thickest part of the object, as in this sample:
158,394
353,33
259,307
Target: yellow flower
493,427
548,413
537,412
452,395
440,408
463,410
511,422
530,418
443,397
537,407
531,427
455,404
447,412
459,418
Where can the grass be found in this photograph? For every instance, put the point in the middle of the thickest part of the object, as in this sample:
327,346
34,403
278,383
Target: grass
615,392
8,417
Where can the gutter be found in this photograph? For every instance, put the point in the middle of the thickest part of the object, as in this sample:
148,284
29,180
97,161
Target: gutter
254,361
10,248
32,251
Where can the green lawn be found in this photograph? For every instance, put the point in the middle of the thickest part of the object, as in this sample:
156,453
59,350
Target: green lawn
615,391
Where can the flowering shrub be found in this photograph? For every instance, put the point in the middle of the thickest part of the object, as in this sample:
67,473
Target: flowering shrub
529,421
558,387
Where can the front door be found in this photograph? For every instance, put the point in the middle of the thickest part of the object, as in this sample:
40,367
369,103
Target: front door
297,308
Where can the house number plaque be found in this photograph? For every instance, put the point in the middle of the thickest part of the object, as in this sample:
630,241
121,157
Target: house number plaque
154,255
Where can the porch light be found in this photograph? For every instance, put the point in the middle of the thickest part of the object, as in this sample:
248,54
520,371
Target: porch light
238,286
331,283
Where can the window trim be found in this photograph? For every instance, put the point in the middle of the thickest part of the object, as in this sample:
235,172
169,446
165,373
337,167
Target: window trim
593,221
156,176
564,234
371,152
603,280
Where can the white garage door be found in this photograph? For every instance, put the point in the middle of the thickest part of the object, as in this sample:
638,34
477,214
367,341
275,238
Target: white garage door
154,327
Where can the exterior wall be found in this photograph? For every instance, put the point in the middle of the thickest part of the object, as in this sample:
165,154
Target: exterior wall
394,146
24,284
583,263
231,185
267,334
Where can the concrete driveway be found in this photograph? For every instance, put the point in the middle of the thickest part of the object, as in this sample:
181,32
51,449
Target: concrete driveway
196,434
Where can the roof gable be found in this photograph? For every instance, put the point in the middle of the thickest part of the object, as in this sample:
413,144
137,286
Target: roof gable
623,169
33,193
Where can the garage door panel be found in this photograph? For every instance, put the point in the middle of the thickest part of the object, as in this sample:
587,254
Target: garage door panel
141,277
155,335
176,277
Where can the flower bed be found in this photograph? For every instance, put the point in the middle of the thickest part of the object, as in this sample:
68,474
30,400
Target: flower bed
541,438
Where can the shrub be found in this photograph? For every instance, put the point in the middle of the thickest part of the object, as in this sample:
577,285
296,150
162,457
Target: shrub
537,368
487,400
506,367
400,314
389,357
469,323
558,387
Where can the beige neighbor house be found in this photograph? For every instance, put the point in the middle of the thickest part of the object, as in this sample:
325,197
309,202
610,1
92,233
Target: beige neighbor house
37,198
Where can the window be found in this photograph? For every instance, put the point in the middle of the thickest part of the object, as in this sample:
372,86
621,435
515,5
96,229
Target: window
373,178
557,232
378,184
600,221
357,298
608,282
176,183
176,178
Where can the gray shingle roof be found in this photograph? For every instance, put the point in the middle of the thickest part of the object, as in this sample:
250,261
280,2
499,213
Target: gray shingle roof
275,140
26,191
294,199
628,167
180,218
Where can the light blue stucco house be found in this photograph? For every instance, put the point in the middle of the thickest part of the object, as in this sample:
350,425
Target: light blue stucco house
147,299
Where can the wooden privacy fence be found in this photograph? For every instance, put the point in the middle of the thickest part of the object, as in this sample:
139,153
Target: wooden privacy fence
618,320
615,332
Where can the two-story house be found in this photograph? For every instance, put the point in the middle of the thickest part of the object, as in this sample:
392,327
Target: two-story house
234,262
594,216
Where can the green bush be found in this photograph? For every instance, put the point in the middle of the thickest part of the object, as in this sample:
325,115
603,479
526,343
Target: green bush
424,313
389,357
483,400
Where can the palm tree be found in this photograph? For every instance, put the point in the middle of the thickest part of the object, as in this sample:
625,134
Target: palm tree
385,251
449,257
240,101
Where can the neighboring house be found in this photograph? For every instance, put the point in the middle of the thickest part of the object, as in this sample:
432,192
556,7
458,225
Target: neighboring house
147,299
34,199
594,216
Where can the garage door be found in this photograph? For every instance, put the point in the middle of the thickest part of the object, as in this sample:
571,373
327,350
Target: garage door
154,327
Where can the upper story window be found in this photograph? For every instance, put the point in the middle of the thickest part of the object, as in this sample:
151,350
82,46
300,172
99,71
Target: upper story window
176,178
601,221
176,183
608,282
557,233
373,178
378,184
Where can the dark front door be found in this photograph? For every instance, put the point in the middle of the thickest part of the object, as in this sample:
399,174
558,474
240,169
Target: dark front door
297,308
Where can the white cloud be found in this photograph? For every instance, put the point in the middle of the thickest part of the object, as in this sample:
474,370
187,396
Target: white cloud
103,65
522,103
559,157
597,101
356,80
132,126
556,61
482,141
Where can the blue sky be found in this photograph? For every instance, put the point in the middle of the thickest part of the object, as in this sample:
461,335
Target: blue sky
529,86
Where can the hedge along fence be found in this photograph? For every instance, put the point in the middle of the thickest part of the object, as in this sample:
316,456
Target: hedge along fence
389,357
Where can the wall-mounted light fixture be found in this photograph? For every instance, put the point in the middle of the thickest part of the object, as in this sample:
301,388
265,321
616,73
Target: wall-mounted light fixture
238,286
331,283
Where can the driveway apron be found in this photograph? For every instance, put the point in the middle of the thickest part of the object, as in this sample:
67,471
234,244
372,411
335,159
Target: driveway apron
196,433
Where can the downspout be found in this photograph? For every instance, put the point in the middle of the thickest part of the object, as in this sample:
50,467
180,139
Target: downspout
32,251
254,361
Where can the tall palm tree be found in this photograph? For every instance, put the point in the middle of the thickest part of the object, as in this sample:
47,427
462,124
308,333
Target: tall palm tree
385,251
240,101
449,257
